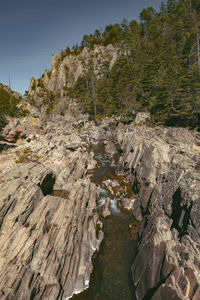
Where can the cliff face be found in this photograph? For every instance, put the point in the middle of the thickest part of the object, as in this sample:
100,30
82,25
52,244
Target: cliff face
64,73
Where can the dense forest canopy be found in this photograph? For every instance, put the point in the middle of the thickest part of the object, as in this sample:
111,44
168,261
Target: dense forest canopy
158,69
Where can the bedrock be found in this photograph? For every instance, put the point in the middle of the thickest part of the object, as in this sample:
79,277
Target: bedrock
163,166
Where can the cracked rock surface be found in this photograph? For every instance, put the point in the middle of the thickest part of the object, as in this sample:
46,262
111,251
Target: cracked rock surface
46,242
47,239
161,164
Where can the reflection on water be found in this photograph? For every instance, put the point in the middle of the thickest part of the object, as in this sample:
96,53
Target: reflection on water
111,276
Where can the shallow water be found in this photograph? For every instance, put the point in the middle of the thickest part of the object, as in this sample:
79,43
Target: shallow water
111,277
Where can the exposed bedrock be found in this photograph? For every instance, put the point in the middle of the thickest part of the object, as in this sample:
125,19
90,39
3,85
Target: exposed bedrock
162,165
46,241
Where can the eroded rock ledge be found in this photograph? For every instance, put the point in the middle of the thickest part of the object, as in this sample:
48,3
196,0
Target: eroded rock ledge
46,242
162,165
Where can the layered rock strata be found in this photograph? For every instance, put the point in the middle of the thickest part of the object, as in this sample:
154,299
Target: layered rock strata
162,165
47,239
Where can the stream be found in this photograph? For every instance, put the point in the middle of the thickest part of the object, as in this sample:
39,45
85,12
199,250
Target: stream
111,276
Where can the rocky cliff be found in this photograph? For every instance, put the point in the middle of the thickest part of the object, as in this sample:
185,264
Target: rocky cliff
50,91
50,224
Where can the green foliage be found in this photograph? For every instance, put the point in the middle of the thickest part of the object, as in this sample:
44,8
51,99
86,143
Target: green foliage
49,99
26,155
158,69
33,87
8,105
2,120
40,83
49,74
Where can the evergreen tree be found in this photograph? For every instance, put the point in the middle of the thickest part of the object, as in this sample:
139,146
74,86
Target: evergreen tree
158,68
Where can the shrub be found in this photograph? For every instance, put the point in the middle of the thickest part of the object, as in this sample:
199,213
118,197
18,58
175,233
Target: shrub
26,155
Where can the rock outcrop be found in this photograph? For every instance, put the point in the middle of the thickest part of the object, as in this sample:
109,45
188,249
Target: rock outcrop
47,241
160,163
48,208
52,87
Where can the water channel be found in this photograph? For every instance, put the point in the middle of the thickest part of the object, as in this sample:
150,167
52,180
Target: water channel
111,277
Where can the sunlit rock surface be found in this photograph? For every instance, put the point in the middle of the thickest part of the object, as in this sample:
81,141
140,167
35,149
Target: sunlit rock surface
48,206
46,242
161,164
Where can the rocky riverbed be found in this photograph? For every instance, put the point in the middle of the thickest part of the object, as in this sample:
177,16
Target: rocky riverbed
50,199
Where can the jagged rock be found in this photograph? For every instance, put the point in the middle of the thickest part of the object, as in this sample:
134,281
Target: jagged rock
142,117
55,237
46,242
160,163
127,203
110,148
63,74
106,208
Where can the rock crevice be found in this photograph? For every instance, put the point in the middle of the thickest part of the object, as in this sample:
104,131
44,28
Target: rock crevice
161,166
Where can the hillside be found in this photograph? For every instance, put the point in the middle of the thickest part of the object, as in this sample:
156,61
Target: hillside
8,104
153,65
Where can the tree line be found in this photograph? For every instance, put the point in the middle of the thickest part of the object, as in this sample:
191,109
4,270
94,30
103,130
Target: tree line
158,69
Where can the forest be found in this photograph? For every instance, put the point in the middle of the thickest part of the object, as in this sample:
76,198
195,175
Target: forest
158,69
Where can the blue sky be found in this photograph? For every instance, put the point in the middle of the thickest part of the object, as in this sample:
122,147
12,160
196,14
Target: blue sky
31,31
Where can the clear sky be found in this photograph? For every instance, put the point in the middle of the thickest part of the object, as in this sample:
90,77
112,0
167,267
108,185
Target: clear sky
32,30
